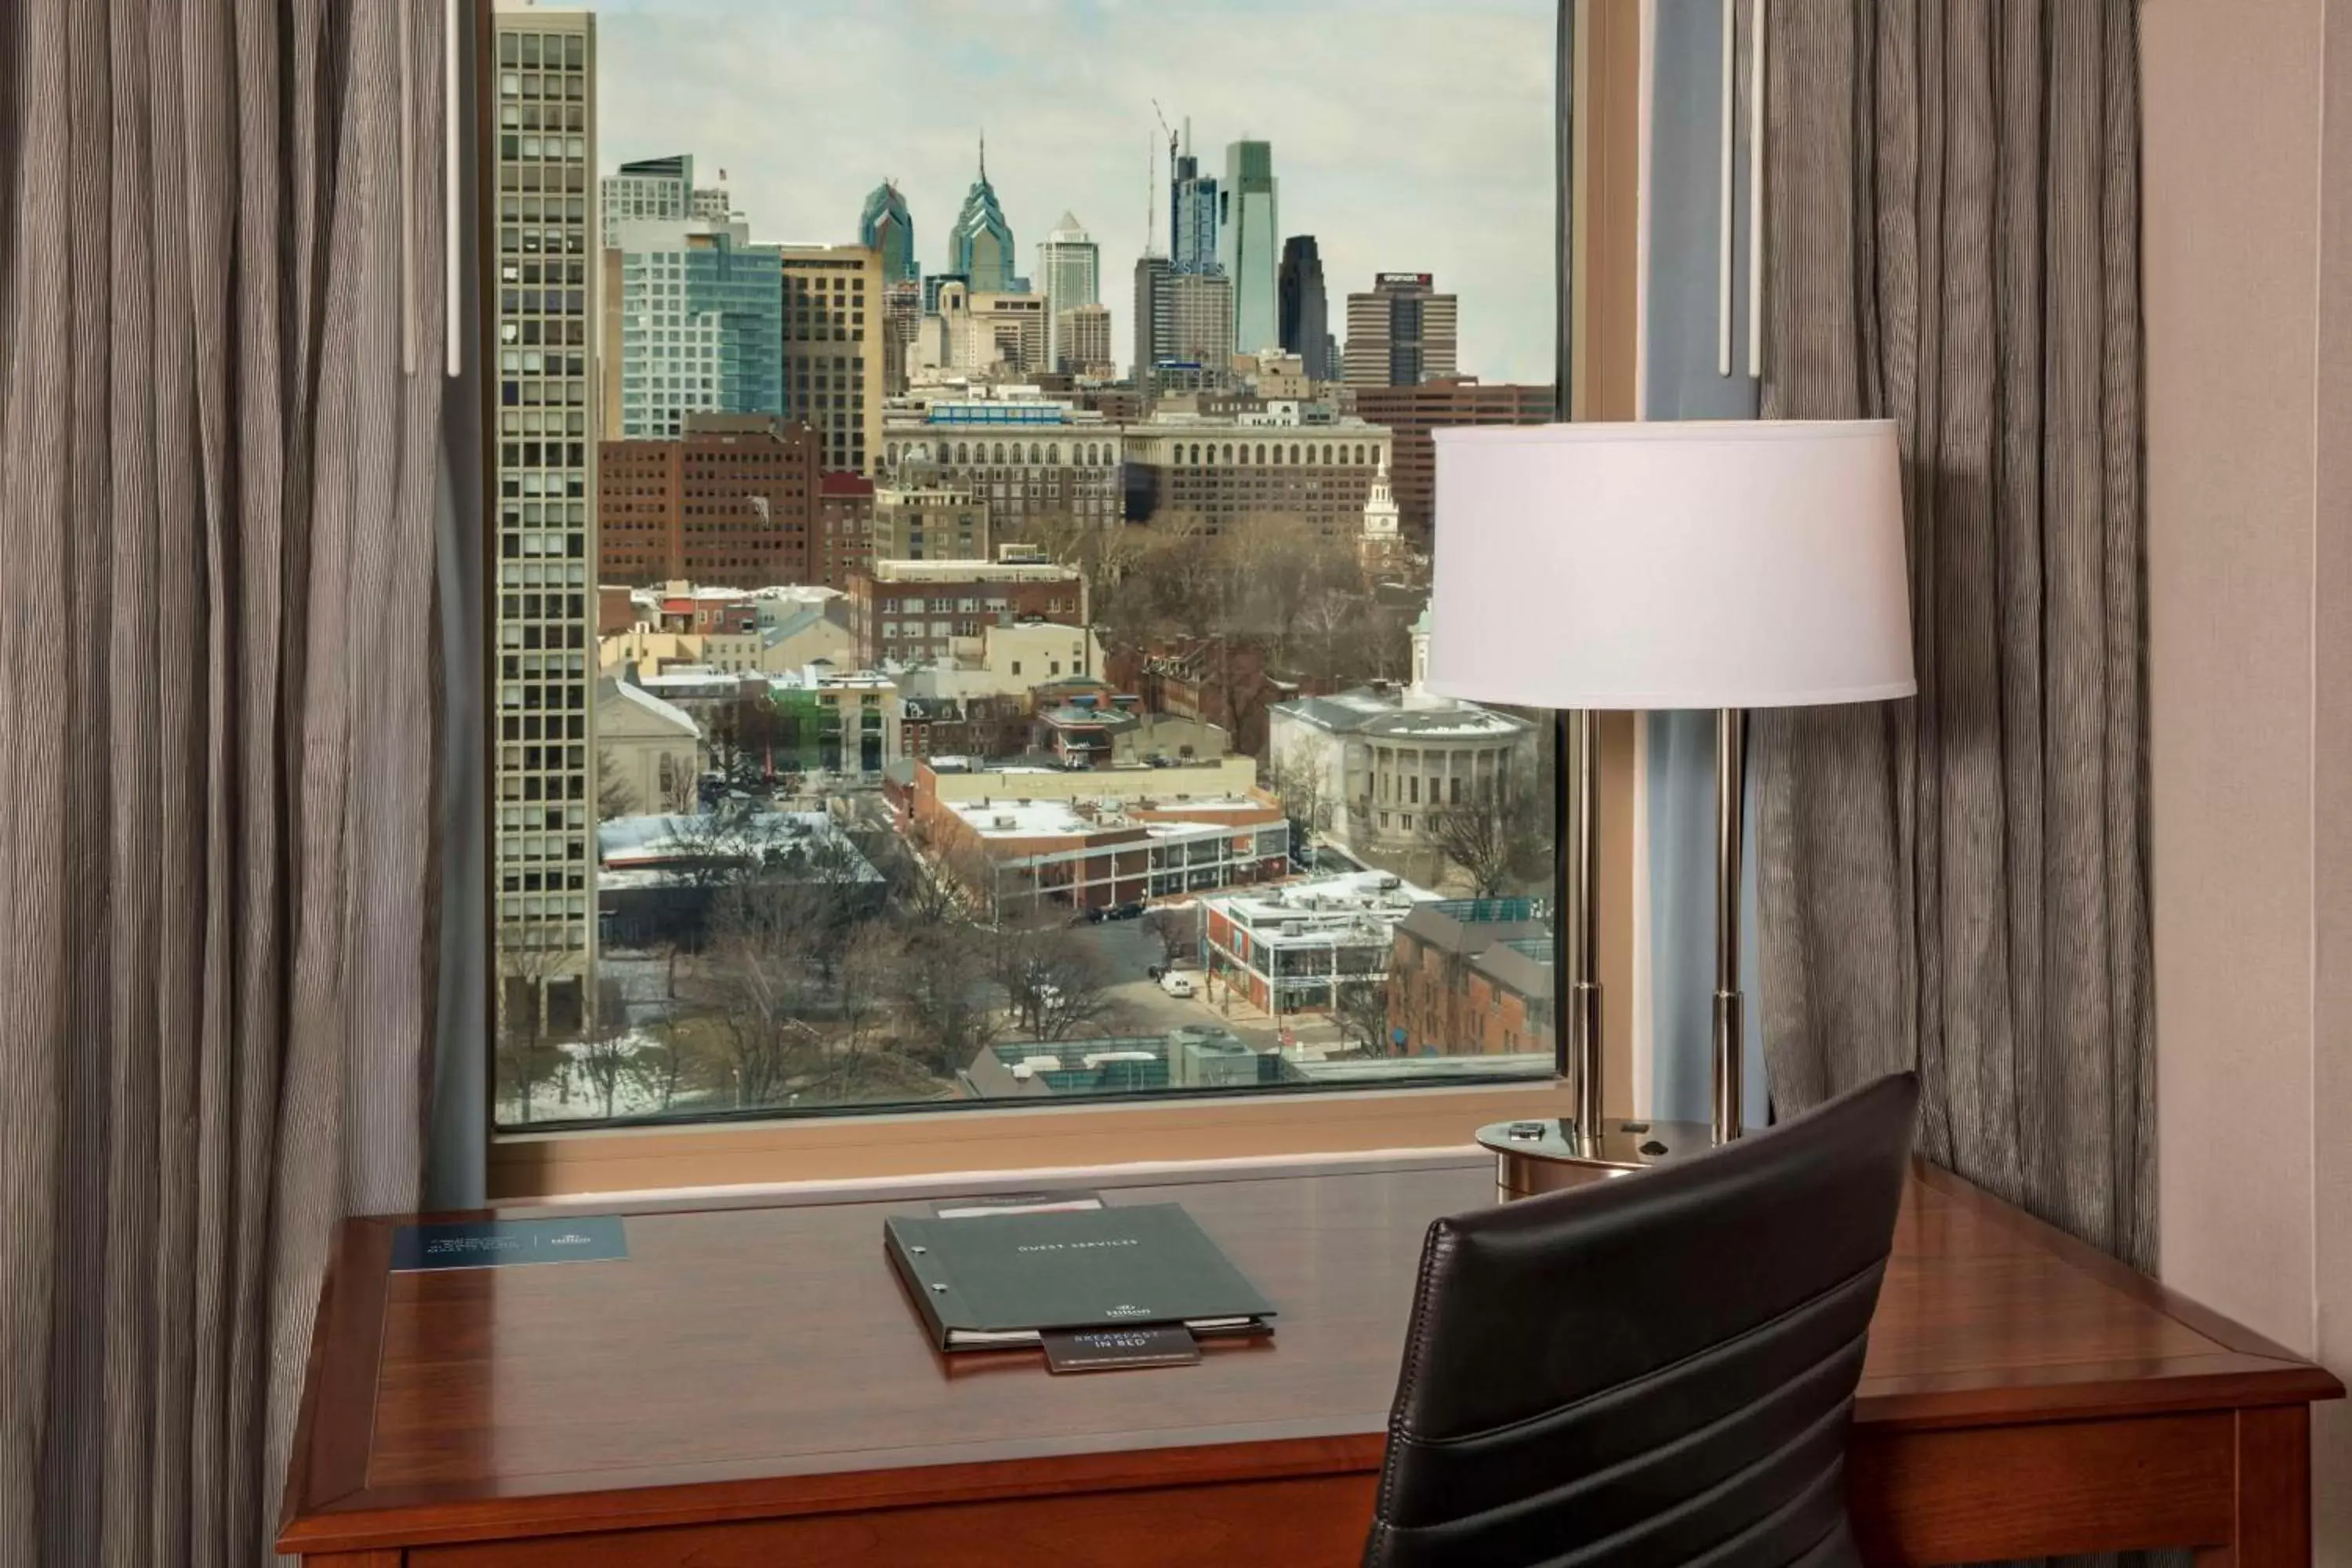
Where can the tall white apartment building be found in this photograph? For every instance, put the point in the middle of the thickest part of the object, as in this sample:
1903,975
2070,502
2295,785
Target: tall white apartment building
543,585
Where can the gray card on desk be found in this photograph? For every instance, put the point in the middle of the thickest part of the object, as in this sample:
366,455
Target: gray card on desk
1113,1349
495,1243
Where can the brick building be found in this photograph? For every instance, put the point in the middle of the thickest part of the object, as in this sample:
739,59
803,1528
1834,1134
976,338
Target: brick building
1473,977
845,528
1292,948
1411,413
1220,682
914,610
734,503
1127,838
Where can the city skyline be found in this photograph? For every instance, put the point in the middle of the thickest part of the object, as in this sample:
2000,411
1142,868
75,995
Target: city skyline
1378,179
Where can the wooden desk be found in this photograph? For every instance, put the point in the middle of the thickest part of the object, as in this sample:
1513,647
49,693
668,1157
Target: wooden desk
750,1386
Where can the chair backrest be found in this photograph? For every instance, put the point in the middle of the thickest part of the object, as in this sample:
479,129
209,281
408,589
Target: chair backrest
1654,1369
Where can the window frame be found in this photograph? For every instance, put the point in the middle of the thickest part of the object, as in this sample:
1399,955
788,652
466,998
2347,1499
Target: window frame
1597,66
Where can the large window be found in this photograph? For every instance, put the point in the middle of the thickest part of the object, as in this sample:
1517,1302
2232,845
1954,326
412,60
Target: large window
958,604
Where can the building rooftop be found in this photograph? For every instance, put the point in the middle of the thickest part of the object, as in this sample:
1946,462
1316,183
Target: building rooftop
1190,1057
1473,925
792,624
1377,710
839,483
658,851
822,674
668,712
970,572
1322,905
1034,818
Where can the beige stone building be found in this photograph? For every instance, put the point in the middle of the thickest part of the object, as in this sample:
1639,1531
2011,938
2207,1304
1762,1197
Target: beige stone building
649,752
834,380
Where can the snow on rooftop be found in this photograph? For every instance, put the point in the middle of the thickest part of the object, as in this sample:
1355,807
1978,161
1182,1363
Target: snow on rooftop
669,712
1322,903
1063,818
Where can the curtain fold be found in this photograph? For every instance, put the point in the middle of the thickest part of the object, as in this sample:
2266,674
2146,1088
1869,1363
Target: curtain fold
1960,881
220,269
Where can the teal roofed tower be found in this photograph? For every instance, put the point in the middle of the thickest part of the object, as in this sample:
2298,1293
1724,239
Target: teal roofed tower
979,246
886,227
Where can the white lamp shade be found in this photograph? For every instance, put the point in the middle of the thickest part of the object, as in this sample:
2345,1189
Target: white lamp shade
1734,564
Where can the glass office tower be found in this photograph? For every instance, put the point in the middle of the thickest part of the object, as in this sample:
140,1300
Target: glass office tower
701,326
979,246
886,228
1249,244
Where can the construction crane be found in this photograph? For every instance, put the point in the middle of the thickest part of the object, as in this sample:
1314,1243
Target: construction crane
1151,205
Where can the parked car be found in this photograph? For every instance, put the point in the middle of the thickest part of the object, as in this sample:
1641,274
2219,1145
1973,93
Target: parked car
1176,983
1124,911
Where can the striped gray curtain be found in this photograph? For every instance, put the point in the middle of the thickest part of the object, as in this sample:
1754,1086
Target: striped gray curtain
220,278
1961,882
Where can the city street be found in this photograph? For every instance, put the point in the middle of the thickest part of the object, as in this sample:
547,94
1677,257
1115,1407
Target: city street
1132,949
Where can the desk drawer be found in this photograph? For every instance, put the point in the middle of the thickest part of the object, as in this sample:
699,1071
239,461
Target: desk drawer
1306,1523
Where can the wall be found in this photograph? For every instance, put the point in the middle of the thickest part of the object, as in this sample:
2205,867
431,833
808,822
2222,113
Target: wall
2247,267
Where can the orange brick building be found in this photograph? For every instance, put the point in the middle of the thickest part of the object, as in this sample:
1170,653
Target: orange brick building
1111,843
1472,977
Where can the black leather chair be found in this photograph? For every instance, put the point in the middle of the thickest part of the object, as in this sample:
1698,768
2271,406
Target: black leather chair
1654,1369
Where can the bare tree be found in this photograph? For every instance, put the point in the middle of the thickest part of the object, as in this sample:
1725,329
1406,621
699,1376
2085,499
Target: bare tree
613,796
1361,1008
527,968
1177,929
683,792
943,999
1056,985
659,1068
764,970
1298,782
1497,836
607,1051
943,879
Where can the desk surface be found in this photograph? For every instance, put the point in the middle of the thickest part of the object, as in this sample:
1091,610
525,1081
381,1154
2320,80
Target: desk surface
762,1361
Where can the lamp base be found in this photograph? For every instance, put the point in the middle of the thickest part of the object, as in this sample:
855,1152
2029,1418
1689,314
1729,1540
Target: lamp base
1533,1157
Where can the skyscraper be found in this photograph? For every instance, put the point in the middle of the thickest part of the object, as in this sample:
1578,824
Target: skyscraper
1155,322
1084,336
1069,269
543,835
655,188
1306,324
1192,213
1402,333
1200,321
833,350
885,227
1249,241
979,246
699,326
902,318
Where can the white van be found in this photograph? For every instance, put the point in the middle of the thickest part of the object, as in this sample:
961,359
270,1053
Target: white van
1176,983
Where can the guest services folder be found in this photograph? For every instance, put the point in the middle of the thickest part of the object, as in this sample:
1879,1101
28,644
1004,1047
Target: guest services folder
1001,1279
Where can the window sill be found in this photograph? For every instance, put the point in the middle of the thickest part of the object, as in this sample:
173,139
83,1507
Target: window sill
526,1167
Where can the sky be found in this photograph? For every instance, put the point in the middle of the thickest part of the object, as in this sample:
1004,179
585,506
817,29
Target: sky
1408,135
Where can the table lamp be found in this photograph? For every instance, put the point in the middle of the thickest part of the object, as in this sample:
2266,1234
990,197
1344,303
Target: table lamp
1729,566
